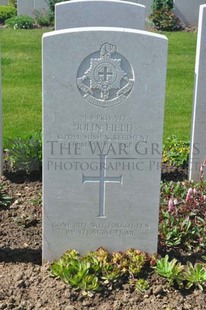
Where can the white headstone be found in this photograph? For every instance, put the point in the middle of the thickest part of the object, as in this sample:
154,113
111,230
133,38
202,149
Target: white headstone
187,11
103,107
198,141
28,7
3,2
41,5
148,5
25,7
99,13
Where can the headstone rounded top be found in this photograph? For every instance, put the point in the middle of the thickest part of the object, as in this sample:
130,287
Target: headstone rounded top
105,13
109,1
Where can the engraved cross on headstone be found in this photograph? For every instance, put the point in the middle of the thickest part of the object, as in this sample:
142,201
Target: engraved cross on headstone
105,73
102,179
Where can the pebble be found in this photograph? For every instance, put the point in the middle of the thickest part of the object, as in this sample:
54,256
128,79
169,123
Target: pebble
10,306
21,307
187,306
12,300
3,306
39,305
70,307
19,276
86,302
21,284
157,290
117,305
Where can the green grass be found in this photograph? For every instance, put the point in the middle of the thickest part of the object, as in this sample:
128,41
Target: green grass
180,83
21,80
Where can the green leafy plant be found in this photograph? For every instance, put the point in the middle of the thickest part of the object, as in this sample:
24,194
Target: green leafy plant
163,16
158,4
111,274
51,4
90,283
99,269
5,200
172,238
13,3
74,270
25,221
142,285
20,22
172,270
182,215
137,260
37,201
95,264
6,11
195,275
112,267
176,152
174,189
25,153
43,18
165,20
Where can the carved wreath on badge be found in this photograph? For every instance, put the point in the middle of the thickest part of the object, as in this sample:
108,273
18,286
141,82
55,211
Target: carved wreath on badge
107,80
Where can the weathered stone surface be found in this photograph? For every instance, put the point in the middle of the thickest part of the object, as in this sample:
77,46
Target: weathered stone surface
188,11
103,102
28,7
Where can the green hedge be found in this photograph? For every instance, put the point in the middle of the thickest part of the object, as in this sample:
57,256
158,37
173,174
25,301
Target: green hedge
6,11
20,22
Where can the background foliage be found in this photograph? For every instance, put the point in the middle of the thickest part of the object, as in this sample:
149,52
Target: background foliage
6,12
159,4
163,16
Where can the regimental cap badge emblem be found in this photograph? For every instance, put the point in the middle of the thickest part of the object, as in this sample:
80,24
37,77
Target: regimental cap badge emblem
105,78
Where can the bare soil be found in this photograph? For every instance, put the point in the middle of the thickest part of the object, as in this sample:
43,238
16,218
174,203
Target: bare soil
26,284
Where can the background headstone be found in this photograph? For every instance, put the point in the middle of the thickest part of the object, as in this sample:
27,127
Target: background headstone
25,7
41,5
28,7
148,4
104,13
103,109
3,2
187,11
198,140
